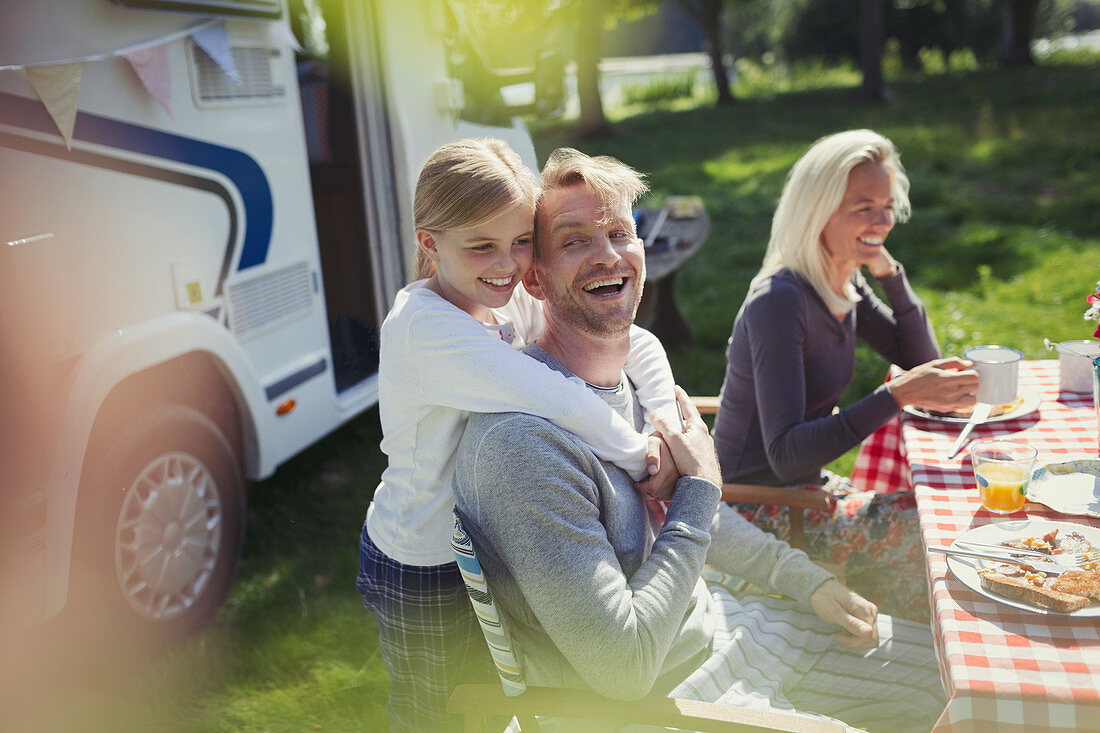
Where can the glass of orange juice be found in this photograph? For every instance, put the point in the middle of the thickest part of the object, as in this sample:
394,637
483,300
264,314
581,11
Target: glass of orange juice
1002,471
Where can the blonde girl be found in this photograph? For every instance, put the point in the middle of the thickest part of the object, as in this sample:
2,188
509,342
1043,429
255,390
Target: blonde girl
449,348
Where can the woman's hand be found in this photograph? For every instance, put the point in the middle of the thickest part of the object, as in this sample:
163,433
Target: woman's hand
661,483
855,615
882,266
691,445
941,384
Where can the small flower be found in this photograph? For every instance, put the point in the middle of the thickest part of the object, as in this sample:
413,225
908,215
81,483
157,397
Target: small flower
1092,313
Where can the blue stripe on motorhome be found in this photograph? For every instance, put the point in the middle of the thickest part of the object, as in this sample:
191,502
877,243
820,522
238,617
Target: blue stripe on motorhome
206,182
238,167
286,384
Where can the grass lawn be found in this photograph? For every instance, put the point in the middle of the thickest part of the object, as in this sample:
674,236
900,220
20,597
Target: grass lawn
1003,246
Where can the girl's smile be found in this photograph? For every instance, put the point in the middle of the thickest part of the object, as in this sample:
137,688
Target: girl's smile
477,268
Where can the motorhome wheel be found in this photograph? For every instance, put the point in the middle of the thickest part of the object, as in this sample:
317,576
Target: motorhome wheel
161,523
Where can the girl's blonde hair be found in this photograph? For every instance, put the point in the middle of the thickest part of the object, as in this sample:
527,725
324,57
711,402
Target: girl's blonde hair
814,189
466,183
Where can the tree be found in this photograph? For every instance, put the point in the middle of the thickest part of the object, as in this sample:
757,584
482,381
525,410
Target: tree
708,14
588,52
1019,27
871,31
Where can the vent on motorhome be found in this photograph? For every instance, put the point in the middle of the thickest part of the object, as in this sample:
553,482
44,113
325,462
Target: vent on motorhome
258,303
259,77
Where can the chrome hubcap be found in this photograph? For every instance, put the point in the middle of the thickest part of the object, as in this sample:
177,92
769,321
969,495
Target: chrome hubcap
168,537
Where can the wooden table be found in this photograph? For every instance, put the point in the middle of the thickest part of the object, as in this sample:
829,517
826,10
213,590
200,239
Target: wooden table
1003,668
665,251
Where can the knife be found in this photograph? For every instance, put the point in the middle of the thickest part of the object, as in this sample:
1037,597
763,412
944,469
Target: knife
980,415
1041,566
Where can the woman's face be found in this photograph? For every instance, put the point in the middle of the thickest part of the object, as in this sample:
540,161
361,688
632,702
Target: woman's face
477,268
857,230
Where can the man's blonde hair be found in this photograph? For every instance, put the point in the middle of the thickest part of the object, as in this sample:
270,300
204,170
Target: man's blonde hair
608,178
466,183
814,190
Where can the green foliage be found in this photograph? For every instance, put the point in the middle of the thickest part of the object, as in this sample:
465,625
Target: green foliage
1003,247
1005,172
661,88
829,28
769,78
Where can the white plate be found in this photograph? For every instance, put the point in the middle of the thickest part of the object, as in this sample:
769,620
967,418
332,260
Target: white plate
966,569
1031,403
1070,486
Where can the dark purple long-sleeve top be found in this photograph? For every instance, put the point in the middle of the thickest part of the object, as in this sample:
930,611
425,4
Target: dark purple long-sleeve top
789,360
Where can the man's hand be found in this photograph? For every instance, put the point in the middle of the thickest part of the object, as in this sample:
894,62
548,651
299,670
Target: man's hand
854,614
941,384
690,443
661,484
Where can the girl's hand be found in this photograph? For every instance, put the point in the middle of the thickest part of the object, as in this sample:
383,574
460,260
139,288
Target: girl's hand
661,483
652,454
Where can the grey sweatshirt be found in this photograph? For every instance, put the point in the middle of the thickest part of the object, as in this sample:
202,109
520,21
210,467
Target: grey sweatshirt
596,594
789,359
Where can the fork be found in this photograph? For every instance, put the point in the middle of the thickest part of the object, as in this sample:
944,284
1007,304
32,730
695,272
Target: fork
1072,559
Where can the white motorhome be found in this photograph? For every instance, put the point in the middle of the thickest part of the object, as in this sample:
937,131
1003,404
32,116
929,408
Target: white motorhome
191,287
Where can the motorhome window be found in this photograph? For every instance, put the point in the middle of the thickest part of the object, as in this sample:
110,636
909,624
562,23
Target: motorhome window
229,8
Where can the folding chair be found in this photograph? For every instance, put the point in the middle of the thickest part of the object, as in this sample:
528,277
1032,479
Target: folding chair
513,697
797,499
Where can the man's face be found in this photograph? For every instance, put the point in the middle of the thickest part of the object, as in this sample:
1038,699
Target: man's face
590,264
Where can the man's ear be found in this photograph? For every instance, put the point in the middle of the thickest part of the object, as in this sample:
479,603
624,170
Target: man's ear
531,283
426,242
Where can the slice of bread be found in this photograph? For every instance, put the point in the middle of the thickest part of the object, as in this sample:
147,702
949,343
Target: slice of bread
1079,583
1021,588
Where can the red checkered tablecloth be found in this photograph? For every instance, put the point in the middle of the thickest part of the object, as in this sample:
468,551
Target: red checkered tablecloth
1003,668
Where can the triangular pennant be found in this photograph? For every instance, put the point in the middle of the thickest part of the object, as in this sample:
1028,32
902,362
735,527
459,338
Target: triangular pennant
151,67
280,33
58,87
215,41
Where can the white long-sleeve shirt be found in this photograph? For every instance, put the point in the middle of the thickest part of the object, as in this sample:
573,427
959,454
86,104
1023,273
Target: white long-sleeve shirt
437,365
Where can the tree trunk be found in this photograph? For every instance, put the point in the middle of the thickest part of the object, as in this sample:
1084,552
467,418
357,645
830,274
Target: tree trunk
593,122
1019,27
712,28
871,24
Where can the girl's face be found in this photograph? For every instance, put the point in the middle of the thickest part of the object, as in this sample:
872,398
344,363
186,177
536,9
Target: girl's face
856,231
477,268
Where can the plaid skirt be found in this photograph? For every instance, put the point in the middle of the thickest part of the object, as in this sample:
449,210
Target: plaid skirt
428,636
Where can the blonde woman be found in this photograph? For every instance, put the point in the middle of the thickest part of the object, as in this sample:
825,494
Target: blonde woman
792,353
448,348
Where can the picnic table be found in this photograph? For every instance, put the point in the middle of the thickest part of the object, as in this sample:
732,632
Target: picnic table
1003,668
669,243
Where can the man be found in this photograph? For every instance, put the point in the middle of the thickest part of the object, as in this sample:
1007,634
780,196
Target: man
598,592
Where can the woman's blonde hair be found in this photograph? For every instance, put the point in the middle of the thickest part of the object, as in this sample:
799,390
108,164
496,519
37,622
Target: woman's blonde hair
814,189
466,183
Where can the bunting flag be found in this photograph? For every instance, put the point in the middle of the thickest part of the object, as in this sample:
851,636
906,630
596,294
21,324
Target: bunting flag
215,41
151,66
58,86
280,33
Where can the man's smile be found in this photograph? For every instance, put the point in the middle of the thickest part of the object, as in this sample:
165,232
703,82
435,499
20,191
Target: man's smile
607,286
